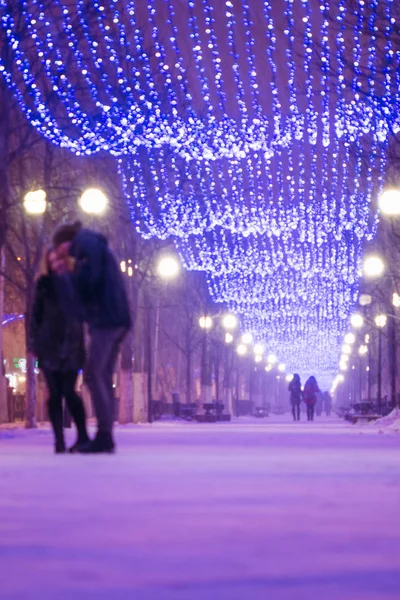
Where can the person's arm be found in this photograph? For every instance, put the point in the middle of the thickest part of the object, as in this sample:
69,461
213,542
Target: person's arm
88,251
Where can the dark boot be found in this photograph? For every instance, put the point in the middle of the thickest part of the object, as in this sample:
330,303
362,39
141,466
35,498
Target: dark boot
103,443
80,444
56,418
59,447
78,413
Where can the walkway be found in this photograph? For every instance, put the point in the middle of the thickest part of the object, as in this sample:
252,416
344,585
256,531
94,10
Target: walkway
255,510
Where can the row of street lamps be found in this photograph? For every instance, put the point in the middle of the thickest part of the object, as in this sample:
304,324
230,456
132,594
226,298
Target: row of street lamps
93,201
230,323
374,268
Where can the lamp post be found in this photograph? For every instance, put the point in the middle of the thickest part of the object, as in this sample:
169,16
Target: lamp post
241,352
229,323
35,205
168,268
389,204
363,351
206,324
380,322
374,268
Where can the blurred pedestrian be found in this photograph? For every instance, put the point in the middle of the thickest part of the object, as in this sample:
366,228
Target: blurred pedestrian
295,396
310,396
102,296
319,405
56,338
327,403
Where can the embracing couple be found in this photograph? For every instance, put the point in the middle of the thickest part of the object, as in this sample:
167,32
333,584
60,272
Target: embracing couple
81,283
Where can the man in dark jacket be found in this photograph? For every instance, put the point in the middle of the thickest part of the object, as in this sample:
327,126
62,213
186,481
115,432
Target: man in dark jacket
104,303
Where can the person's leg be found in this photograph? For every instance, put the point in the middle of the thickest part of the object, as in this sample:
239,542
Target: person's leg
110,372
75,405
294,411
312,411
103,352
298,411
308,412
54,386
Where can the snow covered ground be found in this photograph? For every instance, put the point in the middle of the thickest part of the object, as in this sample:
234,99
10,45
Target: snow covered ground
254,510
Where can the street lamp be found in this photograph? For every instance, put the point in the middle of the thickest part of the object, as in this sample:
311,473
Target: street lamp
247,338
93,201
349,338
281,367
35,202
346,349
205,322
289,378
357,320
396,300
373,266
272,359
363,349
228,338
241,349
168,267
389,202
380,321
229,322
365,300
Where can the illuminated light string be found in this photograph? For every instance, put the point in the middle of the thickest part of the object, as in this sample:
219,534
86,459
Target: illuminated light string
10,318
127,120
234,201
278,227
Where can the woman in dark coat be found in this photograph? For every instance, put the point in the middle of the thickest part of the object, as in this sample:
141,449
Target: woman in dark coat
56,338
295,396
310,396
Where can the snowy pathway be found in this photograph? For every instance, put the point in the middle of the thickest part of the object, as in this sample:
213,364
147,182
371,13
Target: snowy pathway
250,511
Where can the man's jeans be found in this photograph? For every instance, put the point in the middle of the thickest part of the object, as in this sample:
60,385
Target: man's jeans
103,352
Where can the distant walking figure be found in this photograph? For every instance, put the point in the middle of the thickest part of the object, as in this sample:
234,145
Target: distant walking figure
319,405
295,396
310,396
102,296
56,338
327,403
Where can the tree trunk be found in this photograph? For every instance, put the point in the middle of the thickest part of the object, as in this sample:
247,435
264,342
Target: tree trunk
228,383
139,391
30,396
205,374
4,416
188,373
126,382
4,205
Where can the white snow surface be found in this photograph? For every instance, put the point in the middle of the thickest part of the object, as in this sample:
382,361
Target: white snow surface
391,422
251,510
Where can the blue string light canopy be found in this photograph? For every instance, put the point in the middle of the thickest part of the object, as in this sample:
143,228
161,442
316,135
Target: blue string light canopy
235,125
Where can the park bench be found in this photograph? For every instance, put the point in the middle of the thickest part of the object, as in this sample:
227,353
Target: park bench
261,412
